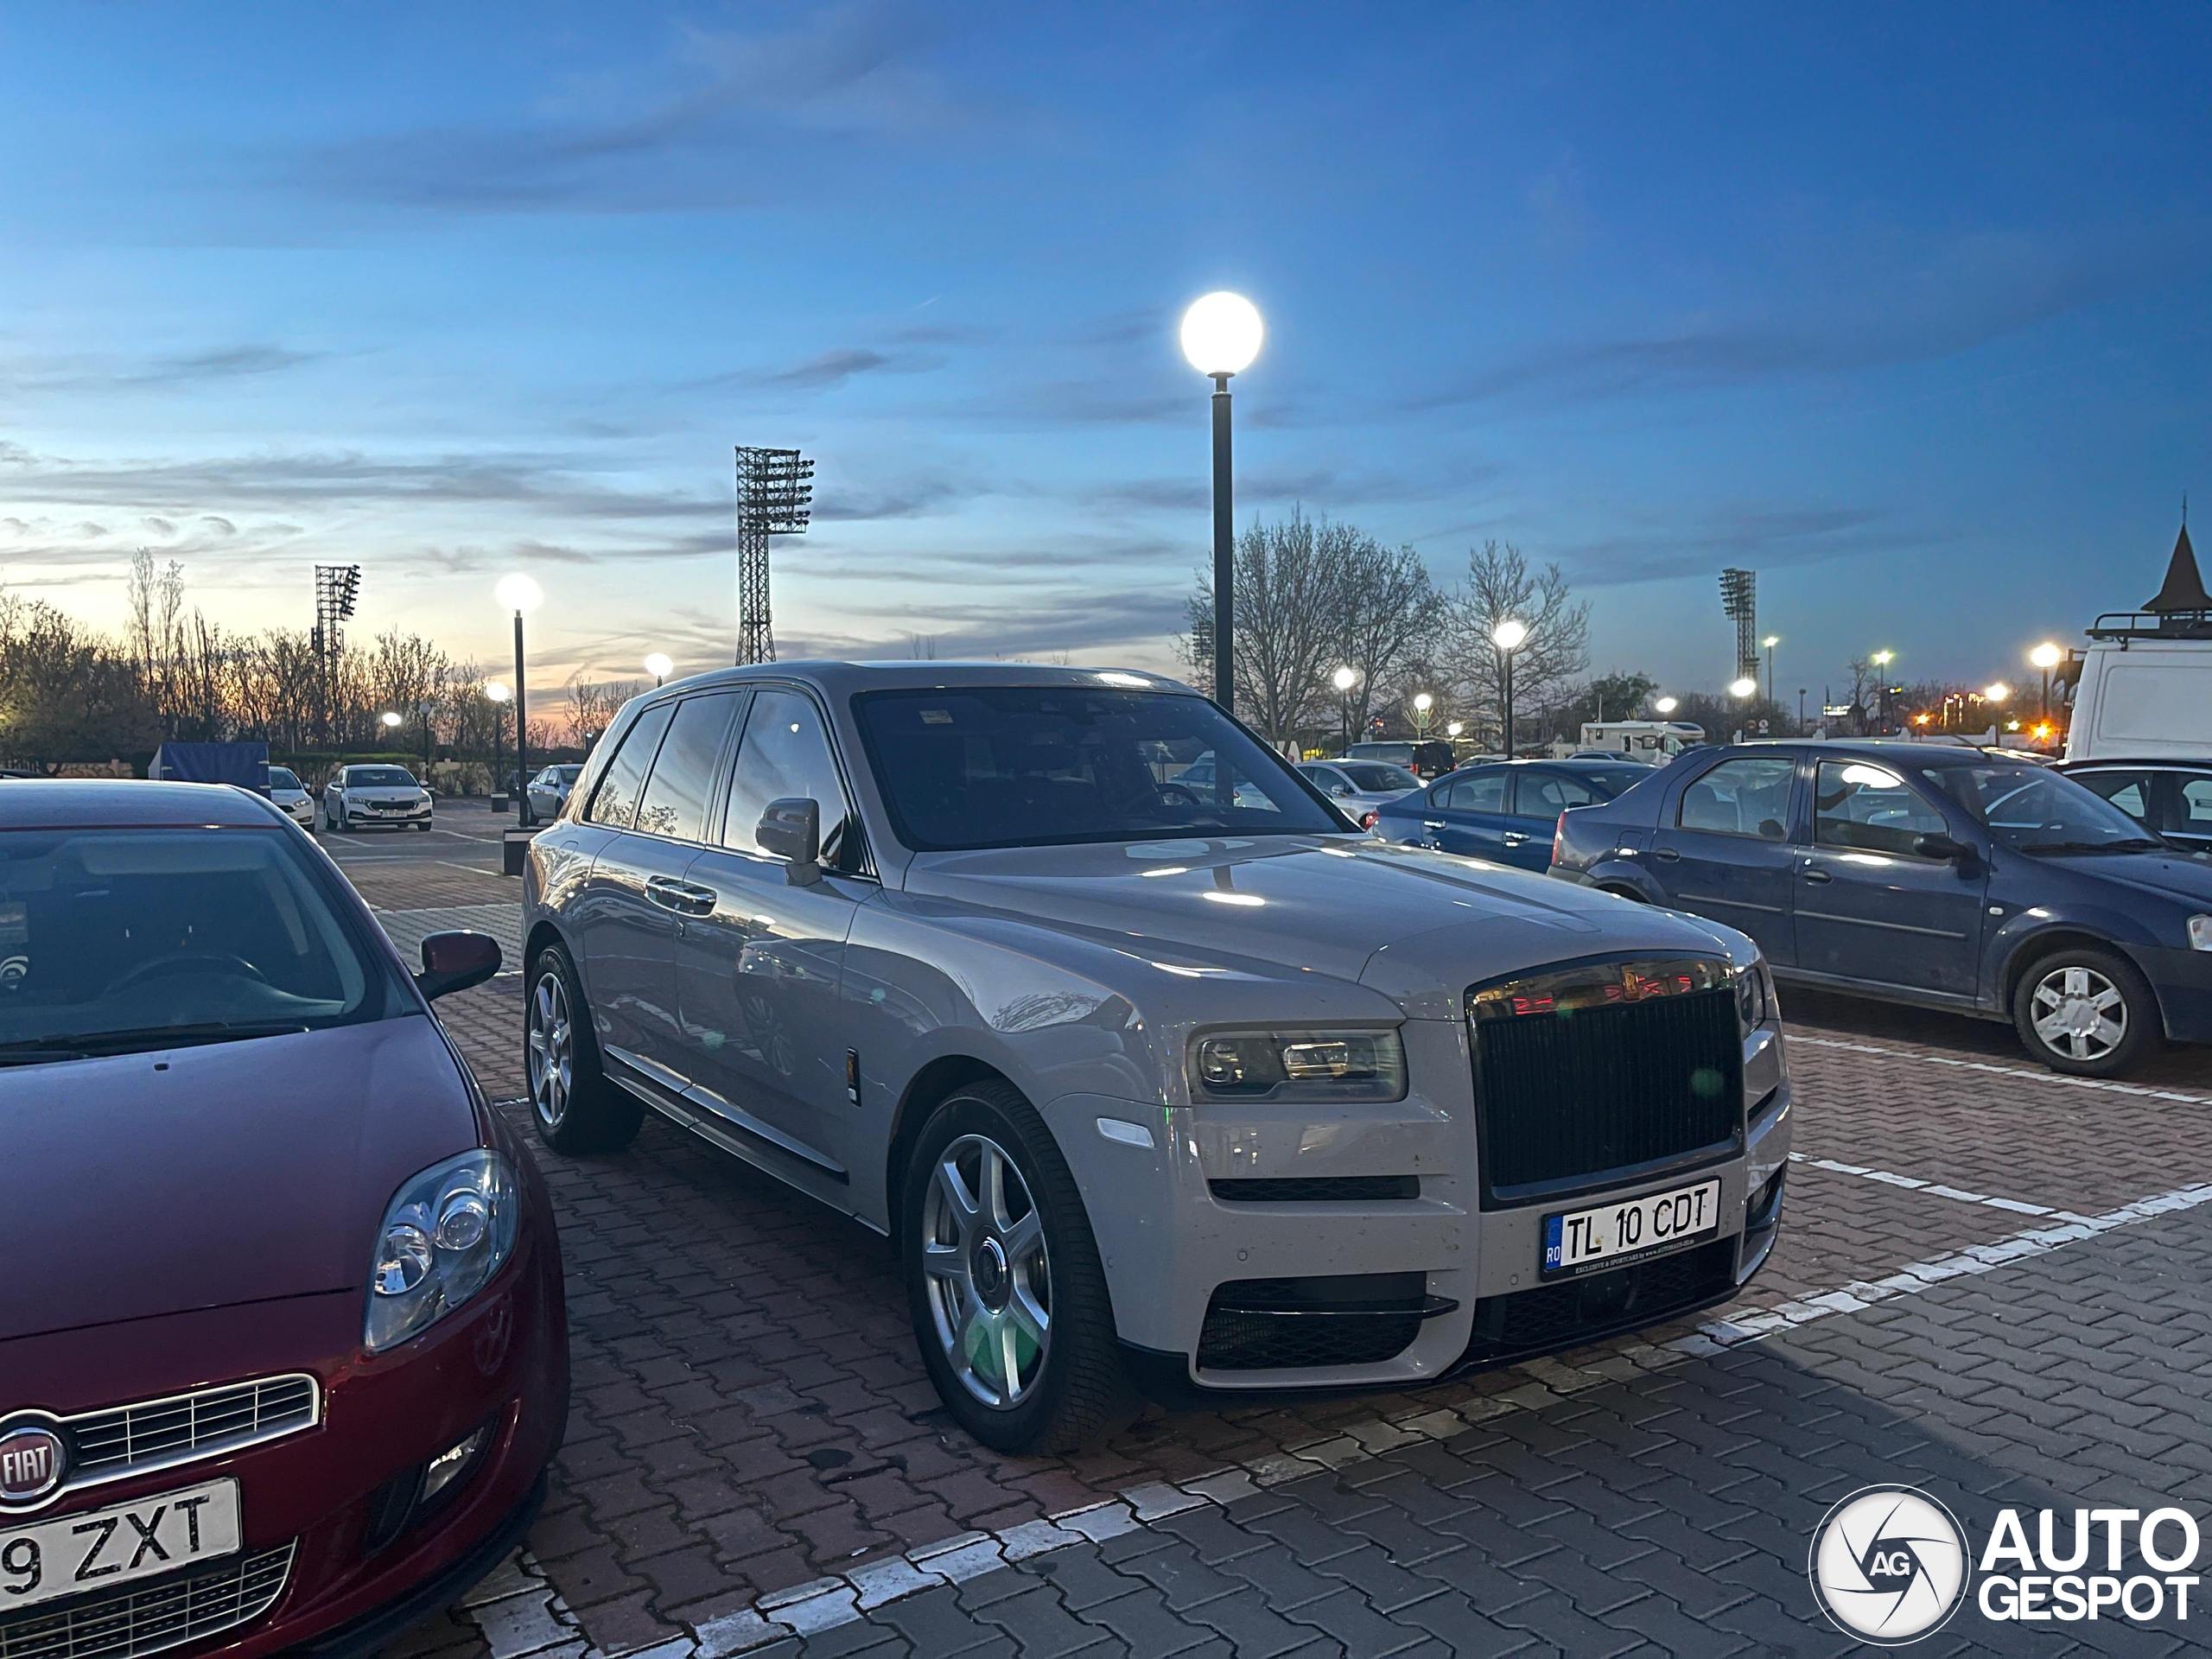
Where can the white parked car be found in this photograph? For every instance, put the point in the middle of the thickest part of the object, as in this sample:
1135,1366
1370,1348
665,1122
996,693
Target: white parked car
1158,1083
548,791
293,801
1360,787
356,796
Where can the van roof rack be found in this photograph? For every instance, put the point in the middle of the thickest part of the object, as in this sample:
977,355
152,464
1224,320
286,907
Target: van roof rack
2180,610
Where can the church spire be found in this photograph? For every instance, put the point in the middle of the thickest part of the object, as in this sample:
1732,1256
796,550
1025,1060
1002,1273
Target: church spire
2184,588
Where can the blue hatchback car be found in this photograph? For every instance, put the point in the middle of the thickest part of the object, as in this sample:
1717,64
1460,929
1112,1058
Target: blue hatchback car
1504,809
1950,878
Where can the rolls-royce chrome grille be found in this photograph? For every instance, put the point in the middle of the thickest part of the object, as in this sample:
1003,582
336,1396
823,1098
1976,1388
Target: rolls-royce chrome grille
141,1618
146,1435
1603,1073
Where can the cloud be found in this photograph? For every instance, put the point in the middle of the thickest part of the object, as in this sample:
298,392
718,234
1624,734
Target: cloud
51,374
831,368
850,71
1073,624
1763,537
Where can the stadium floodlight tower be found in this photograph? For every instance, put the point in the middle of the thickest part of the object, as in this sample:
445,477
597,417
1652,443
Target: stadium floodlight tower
1739,602
337,587
773,498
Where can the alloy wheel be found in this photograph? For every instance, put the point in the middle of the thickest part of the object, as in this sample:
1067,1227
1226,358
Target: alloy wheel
2079,1013
987,1274
552,1049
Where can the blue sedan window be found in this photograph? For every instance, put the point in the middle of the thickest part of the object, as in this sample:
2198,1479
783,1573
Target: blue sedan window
1749,797
1863,805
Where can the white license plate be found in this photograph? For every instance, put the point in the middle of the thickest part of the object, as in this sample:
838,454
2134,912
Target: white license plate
73,1554
1618,1234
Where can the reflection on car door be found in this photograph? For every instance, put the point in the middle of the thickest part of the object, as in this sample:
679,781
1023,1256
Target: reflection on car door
1871,908
758,973
629,939
1538,799
1467,815
1725,850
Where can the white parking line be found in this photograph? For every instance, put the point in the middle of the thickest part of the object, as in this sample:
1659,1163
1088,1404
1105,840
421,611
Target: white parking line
1935,1188
2033,1075
826,1603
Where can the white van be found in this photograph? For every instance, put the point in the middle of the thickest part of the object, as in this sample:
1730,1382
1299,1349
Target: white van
1654,742
2145,686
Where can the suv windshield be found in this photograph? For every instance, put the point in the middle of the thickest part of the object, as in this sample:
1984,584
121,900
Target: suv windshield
378,778
112,940
2036,810
1374,778
975,767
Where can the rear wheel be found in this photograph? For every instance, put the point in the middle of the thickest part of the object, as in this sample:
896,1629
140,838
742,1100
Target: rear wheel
2087,1010
1003,1280
577,1110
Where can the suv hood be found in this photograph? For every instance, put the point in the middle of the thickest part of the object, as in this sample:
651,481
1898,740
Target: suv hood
1416,925
236,1173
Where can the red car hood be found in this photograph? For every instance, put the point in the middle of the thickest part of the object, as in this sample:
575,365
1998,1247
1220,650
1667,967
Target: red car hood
197,1178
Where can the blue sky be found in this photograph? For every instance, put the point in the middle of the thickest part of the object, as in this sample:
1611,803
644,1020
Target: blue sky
1904,306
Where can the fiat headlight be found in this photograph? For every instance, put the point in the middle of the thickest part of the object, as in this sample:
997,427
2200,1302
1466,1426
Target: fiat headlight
1298,1064
445,1233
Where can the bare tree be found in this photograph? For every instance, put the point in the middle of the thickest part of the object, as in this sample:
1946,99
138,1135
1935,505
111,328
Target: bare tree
1288,623
1500,585
1389,605
593,706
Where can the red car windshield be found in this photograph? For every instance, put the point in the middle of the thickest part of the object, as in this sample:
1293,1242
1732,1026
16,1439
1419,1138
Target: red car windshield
114,940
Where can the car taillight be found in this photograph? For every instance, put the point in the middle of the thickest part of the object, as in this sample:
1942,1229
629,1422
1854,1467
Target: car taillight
1370,820
1559,837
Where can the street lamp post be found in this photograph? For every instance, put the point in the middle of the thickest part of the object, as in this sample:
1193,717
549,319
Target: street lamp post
498,695
1770,642
1882,659
1509,636
2046,656
1422,704
518,593
660,666
1344,679
1221,335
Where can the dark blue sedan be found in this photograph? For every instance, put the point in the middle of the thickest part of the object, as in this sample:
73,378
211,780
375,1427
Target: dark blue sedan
1505,809
1950,878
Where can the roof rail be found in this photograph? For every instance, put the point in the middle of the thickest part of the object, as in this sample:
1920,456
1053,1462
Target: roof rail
2152,624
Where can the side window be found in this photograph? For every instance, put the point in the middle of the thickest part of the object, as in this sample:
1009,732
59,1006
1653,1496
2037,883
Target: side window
784,753
1747,796
1486,793
1863,805
2195,805
615,803
2128,790
1548,794
675,802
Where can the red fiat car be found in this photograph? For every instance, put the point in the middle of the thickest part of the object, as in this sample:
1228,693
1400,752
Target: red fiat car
283,1354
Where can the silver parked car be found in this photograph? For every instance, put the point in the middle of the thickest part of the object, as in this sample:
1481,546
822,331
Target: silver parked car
1158,1085
1359,787
358,796
548,790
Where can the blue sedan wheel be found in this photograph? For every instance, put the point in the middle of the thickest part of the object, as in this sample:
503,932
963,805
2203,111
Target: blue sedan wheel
2086,1011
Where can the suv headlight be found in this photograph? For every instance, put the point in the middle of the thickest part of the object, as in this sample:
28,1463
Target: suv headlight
445,1233
1315,1066
1755,999
2200,932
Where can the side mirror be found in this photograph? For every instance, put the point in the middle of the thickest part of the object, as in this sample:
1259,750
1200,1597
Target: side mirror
792,829
453,962
1341,790
1944,847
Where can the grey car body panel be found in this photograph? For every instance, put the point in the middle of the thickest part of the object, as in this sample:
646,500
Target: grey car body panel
1082,973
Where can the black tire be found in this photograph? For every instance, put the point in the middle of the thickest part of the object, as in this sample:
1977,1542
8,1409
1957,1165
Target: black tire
581,1113
1078,1393
2076,991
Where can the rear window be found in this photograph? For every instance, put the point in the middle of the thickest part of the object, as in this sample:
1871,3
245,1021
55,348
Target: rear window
1377,779
124,938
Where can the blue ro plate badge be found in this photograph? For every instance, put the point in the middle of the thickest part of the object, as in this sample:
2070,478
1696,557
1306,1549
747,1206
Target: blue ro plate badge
1632,1229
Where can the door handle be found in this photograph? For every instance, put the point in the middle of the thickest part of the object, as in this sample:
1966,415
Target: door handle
1820,876
1514,837
700,901
679,896
1432,823
1666,855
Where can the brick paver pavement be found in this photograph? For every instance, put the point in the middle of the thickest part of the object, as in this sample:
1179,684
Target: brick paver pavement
754,1448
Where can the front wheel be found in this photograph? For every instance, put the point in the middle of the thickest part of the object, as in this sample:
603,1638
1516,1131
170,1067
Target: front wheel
1003,1280
2087,1010
577,1110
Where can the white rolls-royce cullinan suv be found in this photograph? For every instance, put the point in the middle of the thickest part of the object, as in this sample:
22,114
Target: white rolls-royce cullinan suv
1187,1089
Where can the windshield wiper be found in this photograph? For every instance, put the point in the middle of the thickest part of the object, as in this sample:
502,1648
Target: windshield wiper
78,1045
2127,844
